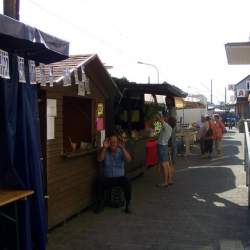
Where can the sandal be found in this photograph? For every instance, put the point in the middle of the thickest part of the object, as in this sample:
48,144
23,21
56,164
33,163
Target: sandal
162,185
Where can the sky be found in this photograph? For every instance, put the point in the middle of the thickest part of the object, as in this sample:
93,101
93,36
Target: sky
183,39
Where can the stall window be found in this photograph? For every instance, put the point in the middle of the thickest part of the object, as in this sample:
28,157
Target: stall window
77,124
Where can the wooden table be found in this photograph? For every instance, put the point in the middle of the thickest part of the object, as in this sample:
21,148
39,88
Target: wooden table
8,197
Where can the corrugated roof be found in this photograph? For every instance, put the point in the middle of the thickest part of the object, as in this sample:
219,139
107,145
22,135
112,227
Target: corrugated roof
157,89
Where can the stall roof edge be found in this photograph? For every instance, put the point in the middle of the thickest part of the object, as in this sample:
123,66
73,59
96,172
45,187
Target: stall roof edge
147,88
245,78
75,62
30,42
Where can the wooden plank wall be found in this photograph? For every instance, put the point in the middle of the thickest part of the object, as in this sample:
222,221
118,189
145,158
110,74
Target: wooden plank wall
69,181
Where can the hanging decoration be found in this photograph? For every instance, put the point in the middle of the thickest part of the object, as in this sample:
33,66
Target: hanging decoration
4,65
81,85
32,72
42,75
21,69
66,77
76,76
87,85
83,69
85,81
81,88
51,77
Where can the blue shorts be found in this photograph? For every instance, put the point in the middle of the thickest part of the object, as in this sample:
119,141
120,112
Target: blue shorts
162,151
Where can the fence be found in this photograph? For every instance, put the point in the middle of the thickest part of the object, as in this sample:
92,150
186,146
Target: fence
247,157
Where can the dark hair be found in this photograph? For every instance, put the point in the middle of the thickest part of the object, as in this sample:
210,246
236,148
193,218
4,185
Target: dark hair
172,121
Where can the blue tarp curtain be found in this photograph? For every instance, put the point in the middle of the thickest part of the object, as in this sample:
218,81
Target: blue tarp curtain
20,152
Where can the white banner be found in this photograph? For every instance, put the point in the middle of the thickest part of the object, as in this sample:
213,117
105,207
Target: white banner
66,77
32,72
4,65
21,69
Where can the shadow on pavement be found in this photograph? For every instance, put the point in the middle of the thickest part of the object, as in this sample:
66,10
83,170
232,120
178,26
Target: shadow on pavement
205,209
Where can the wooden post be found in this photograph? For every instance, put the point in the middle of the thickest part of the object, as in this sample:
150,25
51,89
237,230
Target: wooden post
11,8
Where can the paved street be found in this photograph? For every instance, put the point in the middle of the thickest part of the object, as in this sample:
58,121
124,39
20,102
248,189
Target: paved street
205,209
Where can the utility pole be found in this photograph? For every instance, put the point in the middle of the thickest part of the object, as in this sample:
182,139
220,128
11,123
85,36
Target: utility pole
225,96
11,8
148,79
211,91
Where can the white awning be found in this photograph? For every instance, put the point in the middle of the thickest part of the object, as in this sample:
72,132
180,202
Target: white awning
238,53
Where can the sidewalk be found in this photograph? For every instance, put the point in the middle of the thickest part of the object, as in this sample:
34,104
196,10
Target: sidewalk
205,209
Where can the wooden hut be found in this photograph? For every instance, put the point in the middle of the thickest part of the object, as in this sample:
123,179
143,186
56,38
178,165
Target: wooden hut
73,122
131,115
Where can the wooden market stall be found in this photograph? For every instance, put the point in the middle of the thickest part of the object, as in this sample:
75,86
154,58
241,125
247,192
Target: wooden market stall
76,110
131,116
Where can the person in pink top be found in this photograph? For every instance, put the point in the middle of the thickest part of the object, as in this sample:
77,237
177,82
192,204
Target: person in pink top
218,131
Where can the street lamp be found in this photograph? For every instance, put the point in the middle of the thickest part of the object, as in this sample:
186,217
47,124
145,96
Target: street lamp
152,65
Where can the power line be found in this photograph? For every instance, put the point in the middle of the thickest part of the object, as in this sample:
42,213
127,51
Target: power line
84,31
216,97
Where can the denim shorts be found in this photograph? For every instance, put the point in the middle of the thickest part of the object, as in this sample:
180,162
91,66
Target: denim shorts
162,151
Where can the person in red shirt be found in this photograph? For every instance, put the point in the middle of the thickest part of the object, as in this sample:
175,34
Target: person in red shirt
218,130
208,138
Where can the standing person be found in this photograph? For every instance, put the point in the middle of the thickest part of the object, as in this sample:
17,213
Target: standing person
208,139
113,156
203,127
218,133
173,146
162,150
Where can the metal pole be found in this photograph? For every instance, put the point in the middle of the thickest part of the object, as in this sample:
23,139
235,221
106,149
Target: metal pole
152,65
225,98
211,91
11,8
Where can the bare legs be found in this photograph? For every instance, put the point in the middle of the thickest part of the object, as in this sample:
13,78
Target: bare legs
167,172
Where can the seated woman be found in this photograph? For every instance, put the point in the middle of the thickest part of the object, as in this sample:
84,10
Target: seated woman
113,156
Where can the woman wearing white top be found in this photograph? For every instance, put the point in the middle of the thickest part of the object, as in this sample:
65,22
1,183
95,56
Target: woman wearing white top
162,150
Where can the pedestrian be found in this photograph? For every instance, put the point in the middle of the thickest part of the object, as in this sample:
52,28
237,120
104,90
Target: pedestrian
208,139
172,145
113,156
162,150
203,127
218,133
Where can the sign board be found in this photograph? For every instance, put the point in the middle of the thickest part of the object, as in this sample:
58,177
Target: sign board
51,108
241,93
100,109
179,102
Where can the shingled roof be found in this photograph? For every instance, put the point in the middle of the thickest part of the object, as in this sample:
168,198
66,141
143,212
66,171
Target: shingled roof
92,64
